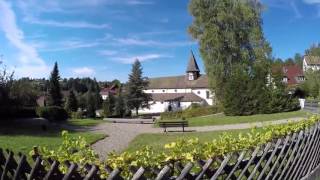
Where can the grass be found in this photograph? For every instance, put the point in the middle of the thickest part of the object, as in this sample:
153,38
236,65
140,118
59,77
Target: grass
157,141
85,122
221,119
20,136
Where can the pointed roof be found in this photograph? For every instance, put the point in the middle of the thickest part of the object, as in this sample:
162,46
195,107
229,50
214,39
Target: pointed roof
192,64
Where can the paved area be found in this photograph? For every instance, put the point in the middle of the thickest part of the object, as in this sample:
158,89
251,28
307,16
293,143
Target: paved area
121,134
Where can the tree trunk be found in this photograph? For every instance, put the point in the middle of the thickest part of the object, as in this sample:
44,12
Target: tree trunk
137,111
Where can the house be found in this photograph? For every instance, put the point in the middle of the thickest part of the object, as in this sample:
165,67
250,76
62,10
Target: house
179,92
311,63
292,75
105,92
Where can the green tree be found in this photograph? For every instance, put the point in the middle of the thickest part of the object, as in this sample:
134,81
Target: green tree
120,107
298,59
71,103
55,96
136,98
108,106
234,51
91,105
229,32
314,50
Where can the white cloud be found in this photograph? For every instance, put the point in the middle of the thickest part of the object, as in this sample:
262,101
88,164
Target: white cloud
31,64
141,58
142,42
108,52
69,45
83,71
312,1
67,24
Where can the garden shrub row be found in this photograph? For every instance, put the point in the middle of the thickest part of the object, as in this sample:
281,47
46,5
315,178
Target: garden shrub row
17,112
52,113
190,112
183,150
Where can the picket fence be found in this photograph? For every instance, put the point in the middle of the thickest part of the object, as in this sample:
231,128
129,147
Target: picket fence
295,156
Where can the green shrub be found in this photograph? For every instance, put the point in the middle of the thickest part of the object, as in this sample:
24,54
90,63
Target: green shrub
52,113
182,151
190,112
17,112
77,115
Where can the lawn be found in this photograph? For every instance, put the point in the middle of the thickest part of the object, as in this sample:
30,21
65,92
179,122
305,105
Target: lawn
22,136
157,141
221,119
85,122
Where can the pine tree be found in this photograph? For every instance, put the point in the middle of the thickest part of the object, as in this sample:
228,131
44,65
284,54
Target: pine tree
91,105
55,96
71,103
120,107
136,98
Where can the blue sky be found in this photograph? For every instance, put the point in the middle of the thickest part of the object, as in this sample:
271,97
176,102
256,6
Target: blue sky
101,38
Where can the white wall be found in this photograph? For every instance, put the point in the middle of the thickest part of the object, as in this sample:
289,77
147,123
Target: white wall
201,92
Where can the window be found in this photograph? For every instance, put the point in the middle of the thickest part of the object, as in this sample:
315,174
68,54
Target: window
191,76
208,94
285,79
198,92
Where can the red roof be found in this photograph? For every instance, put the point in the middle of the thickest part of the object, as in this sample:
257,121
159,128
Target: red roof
292,73
109,90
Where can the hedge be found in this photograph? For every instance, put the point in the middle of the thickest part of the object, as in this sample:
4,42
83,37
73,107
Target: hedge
52,113
190,112
183,150
17,112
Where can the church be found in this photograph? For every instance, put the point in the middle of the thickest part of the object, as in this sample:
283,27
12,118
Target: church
175,93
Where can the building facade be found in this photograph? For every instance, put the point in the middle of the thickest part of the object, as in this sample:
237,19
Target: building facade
179,92
311,63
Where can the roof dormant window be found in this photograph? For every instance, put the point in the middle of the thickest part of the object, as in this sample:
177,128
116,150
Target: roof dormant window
191,77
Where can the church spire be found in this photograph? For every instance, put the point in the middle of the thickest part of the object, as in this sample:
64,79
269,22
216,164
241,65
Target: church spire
192,65
193,71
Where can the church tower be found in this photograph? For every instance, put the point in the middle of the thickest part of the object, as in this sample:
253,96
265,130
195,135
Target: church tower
193,71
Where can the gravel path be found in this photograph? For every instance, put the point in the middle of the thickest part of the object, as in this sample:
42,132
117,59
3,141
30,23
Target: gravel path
121,134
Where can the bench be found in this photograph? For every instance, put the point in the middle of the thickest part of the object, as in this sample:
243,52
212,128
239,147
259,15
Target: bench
167,124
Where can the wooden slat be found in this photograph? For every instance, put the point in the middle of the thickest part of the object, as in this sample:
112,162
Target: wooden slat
139,174
292,155
240,158
253,155
164,173
317,153
255,169
299,155
286,156
222,166
204,170
284,146
270,159
304,163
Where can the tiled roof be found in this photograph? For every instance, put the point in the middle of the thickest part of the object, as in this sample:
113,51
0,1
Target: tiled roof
192,64
292,72
182,97
312,60
178,82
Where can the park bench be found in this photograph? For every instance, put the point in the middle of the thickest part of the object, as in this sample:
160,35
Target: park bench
167,124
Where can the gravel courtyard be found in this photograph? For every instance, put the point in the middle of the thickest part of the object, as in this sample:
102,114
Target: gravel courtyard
121,134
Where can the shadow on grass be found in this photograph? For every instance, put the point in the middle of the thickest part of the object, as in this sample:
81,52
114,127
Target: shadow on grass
36,127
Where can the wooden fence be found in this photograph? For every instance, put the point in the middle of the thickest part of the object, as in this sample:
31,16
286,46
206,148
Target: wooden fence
296,156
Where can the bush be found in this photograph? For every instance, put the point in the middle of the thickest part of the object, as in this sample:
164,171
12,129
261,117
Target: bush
53,113
190,112
184,150
77,115
18,112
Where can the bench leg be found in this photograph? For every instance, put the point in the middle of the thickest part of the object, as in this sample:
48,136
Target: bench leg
165,129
